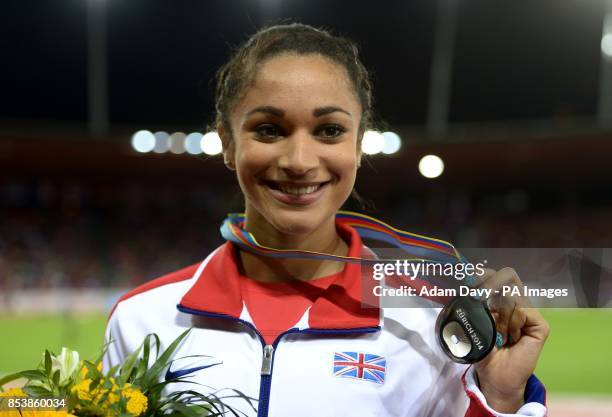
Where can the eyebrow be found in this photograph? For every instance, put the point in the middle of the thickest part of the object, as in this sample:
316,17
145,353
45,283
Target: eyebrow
318,112
275,111
322,111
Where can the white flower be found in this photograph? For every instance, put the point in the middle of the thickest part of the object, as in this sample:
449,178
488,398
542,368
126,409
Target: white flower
68,365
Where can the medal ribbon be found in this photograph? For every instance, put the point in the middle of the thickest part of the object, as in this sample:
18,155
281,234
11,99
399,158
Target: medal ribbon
416,247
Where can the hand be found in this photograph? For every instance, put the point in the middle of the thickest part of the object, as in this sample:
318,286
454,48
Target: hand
503,374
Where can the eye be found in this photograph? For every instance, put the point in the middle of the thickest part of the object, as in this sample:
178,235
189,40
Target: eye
330,131
267,131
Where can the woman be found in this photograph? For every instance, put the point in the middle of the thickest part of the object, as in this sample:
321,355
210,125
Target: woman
292,106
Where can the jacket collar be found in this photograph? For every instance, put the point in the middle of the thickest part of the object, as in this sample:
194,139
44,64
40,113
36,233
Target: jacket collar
217,290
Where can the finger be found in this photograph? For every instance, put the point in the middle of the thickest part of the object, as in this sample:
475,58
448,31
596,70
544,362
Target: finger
535,325
500,327
477,280
503,306
516,323
497,279
503,312
506,285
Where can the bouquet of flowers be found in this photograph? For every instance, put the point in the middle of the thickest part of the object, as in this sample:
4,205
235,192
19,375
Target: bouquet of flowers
132,389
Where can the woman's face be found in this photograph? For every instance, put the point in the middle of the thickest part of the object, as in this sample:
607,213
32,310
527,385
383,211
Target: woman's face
295,142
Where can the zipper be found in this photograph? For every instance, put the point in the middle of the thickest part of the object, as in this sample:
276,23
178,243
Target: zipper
268,360
266,372
267,356
267,363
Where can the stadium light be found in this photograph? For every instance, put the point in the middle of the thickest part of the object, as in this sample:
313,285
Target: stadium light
192,143
143,141
211,143
392,143
161,142
431,166
372,142
606,45
176,143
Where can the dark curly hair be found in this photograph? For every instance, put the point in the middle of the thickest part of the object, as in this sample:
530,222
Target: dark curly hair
297,38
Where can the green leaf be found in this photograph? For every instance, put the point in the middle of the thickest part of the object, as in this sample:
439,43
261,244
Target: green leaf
140,371
34,375
92,370
47,362
128,366
146,349
156,369
9,378
94,384
56,378
143,364
37,391
104,349
112,371
188,411
212,401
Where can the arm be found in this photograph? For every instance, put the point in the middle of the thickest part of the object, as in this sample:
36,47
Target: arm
503,383
505,377
532,402
116,349
457,394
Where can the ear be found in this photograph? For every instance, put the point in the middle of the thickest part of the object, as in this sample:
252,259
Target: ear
228,147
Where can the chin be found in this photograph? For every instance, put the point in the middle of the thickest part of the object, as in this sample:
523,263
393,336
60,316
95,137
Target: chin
297,223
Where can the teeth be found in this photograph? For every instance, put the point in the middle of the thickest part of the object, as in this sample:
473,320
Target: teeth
298,190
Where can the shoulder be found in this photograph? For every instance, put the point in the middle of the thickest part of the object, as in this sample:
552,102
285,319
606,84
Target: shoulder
171,278
148,308
166,290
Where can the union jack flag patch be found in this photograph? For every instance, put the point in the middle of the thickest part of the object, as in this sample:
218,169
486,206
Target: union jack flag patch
360,366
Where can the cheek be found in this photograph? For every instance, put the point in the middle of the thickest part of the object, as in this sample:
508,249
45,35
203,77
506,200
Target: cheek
250,160
345,165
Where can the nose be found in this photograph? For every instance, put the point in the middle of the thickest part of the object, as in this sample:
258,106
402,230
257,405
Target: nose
299,155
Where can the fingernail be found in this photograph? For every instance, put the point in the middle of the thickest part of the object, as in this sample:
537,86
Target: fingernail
499,340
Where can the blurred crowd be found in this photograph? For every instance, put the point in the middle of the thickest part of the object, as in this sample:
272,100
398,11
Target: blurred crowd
98,235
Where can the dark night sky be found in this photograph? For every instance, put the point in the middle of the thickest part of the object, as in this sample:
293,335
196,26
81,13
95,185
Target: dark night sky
513,59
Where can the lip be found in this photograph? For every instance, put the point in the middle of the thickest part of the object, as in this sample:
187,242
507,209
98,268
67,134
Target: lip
298,200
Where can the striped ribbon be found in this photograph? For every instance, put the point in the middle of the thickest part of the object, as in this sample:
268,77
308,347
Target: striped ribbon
416,248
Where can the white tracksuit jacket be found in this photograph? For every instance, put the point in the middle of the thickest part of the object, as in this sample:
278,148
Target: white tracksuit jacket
339,360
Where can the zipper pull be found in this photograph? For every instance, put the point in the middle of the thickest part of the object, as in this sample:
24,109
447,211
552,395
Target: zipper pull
266,365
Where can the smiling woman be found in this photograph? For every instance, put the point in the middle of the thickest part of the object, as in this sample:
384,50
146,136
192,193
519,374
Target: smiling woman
295,151
286,322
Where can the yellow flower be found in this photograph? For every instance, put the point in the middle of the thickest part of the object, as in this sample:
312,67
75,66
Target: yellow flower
18,392
113,397
82,390
83,372
100,397
14,392
45,414
84,369
137,402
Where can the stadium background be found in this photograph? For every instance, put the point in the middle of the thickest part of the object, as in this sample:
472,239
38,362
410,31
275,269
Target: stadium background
514,97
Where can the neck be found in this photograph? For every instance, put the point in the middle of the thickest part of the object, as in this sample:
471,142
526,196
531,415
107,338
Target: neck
325,239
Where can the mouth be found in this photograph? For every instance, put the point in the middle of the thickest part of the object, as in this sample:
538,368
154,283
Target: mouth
296,193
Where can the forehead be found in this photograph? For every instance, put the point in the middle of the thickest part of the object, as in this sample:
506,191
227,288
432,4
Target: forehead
290,80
